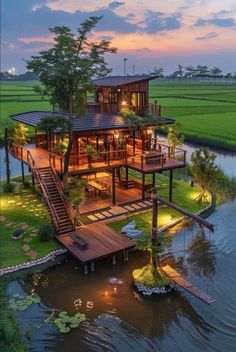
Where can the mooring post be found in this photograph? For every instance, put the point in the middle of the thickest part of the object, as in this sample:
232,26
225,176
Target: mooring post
86,269
114,259
92,266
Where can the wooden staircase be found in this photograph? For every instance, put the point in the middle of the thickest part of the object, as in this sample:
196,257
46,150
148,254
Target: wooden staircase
53,192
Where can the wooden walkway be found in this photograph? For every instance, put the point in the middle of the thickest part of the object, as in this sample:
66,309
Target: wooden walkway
101,239
186,285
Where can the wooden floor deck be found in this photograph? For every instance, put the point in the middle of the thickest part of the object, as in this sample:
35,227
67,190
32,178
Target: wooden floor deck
41,158
186,285
95,202
102,242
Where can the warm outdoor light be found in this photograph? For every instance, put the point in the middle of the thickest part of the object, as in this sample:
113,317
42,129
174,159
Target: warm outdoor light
149,131
123,103
116,135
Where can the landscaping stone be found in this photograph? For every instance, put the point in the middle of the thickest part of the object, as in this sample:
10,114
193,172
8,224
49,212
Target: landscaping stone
33,234
27,239
32,254
2,218
26,248
148,291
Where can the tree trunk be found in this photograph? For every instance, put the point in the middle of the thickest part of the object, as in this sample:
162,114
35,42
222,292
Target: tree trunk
70,136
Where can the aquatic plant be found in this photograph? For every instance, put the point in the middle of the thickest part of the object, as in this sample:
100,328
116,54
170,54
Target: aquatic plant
65,323
21,303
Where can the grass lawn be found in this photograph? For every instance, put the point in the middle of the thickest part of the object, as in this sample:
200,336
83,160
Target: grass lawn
20,209
183,195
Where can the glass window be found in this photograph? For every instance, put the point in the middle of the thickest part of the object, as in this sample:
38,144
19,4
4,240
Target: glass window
99,96
113,98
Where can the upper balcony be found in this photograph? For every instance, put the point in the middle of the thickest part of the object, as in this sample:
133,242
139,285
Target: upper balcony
158,158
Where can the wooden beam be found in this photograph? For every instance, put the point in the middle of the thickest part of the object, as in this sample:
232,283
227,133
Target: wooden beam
182,211
171,185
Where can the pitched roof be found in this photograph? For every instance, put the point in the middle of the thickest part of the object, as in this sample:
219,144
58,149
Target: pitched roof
114,81
87,122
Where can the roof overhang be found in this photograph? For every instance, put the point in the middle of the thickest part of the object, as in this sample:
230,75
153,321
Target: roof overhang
87,122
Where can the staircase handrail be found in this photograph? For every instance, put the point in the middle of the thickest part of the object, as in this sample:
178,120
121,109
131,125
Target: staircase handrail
60,189
36,173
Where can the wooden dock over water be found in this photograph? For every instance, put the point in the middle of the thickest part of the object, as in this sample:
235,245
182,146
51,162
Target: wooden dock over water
102,241
186,285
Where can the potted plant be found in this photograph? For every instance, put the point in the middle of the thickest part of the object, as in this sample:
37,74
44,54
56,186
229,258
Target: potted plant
90,153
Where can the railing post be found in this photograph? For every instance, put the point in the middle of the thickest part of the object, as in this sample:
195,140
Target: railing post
61,165
108,158
142,162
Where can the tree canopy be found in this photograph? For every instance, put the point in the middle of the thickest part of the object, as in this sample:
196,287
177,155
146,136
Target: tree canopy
66,69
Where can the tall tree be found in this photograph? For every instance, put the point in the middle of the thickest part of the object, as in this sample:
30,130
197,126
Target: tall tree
157,71
67,68
216,72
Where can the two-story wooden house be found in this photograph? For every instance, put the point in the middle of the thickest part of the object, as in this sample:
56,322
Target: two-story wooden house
112,157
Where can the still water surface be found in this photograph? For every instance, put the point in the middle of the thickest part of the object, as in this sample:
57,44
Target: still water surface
119,319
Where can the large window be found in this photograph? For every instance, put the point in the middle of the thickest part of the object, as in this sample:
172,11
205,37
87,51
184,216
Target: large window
137,99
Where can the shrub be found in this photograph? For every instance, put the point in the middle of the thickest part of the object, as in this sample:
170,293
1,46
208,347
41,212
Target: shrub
17,233
46,232
27,184
8,187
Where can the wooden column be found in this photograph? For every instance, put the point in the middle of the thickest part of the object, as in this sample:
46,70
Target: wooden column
22,172
133,142
113,187
126,176
125,255
6,143
114,259
33,180
170,185
153,179
86,269
143,185
92,266
154,216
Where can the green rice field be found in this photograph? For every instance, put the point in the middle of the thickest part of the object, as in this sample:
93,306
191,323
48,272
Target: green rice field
207,111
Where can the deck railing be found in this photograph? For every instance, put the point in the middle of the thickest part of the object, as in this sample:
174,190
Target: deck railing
159,159
87,161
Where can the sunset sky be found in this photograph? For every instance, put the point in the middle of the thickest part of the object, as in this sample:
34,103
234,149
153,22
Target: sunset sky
149,33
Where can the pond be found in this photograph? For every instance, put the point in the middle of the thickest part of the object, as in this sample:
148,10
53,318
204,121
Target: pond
119,319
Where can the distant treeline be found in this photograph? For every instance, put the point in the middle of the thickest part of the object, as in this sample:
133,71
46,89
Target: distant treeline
27,76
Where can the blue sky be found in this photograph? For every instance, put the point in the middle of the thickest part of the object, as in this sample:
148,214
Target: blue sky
149,33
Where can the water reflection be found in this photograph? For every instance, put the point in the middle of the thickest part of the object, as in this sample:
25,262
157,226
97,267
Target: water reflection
201,255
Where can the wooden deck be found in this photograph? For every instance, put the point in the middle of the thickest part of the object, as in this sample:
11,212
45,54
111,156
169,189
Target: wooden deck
186,285
102,242
42,159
